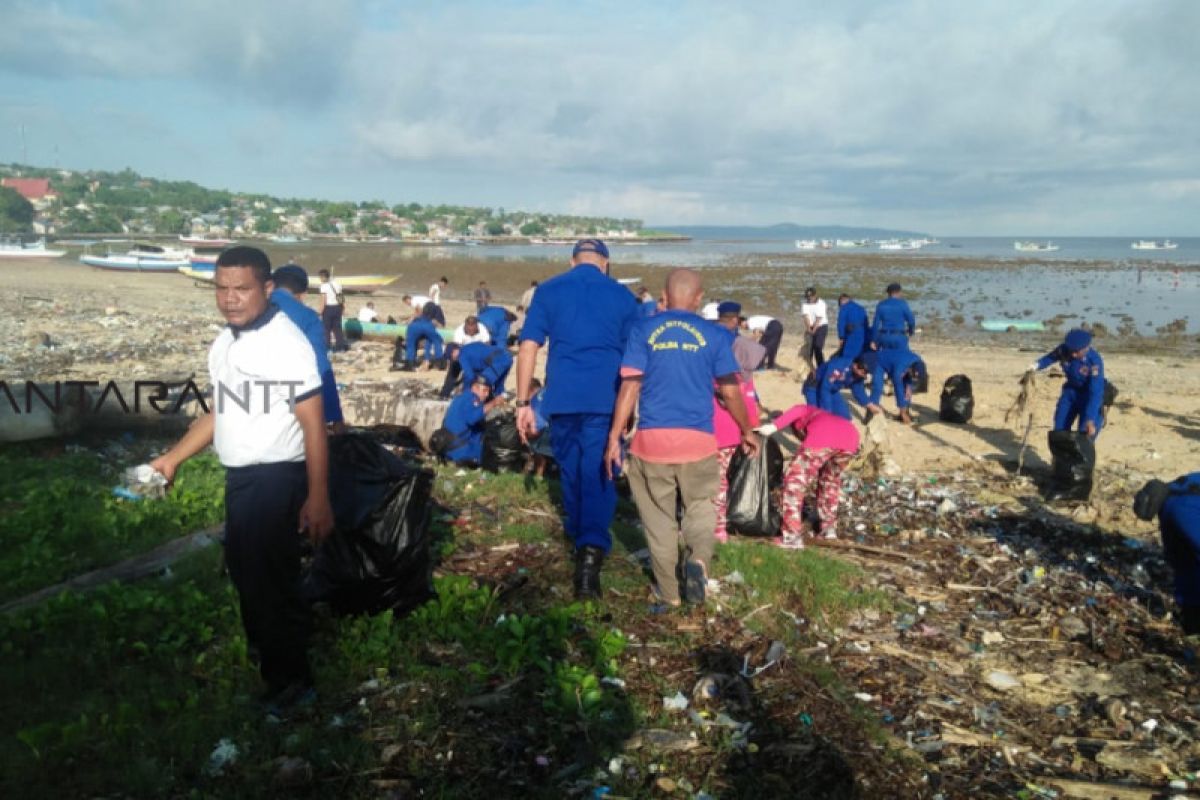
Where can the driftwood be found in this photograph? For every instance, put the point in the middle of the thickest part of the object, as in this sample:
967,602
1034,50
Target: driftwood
1088,790
130,569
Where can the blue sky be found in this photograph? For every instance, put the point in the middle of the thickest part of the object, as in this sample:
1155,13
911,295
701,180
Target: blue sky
1077,117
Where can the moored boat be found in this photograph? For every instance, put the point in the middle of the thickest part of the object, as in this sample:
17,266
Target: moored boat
382,330
19,249
134,263
899,244
1035,247
1150,244
806,244
1015,325
351,284
205,241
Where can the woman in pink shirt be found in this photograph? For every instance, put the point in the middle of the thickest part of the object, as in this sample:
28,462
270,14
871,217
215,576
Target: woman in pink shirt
828,442
728,439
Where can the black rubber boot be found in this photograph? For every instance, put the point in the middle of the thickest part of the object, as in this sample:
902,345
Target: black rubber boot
588,561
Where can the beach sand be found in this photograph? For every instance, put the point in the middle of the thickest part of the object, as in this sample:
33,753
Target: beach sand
105,325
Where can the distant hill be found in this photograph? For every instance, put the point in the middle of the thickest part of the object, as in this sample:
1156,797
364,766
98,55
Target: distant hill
787,230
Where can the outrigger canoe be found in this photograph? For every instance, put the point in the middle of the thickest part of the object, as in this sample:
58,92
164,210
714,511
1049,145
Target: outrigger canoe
1016,325
382,330
351,284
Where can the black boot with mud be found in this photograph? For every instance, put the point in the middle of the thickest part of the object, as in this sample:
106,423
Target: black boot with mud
588,561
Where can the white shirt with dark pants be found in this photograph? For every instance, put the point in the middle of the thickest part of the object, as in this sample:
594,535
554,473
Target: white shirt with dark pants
259,372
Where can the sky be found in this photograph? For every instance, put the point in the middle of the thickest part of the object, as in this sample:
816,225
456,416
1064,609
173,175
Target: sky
989,117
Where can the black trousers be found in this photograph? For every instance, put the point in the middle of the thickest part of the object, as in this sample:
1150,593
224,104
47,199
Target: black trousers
453,377
818,344
771,339
262,550
331,318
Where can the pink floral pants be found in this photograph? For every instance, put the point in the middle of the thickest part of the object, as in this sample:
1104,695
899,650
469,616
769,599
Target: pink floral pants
824,469
724,456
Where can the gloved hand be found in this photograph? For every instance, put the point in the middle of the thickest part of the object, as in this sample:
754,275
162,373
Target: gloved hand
766,430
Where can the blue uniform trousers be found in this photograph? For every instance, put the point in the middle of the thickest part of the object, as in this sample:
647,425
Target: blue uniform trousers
1072,405
834,402
589,497
422,329
262,551
894,363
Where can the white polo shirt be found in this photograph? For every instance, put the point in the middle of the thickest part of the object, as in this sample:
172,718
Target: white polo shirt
462,337
709,312
419,301
435,292
816,313
368,315
330,289
759,322
251,402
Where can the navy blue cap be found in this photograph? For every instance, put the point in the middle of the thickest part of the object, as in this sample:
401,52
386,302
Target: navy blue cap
729,307
1077,339
893,288
590,246
293,274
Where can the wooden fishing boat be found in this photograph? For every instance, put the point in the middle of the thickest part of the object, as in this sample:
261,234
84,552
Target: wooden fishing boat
382,330
1015,325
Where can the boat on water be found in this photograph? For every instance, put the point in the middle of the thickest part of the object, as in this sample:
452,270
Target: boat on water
351,284
141,257
1011,325
1035,247
851,243
285,238
1149,244
205,241
23,250
900,244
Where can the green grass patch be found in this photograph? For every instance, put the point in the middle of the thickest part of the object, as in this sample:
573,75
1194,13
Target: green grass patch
58,517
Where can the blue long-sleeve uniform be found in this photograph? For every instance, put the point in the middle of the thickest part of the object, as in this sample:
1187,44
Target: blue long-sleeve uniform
495,319
465,418
309,323
824,389
1082,395
895,365
893,324
853,329
418,330
1179,522
647,308
488,360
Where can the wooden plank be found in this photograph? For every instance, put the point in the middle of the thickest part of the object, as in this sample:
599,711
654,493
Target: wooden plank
1090,790
138,566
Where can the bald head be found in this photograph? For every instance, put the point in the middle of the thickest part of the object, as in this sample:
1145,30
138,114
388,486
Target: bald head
684,289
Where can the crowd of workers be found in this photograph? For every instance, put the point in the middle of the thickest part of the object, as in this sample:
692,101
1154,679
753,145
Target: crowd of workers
654,390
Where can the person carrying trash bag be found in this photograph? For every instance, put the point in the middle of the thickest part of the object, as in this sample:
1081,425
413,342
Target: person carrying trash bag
1082,395
1176,505
828,442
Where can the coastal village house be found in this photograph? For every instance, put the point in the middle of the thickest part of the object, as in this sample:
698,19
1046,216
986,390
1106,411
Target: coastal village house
36,190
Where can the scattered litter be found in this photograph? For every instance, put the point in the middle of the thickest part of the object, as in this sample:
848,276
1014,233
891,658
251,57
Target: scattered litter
223,756
676,703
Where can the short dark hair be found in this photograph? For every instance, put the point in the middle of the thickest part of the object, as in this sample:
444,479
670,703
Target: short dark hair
244,256
323,273
843,296
533,283
444,280
292,278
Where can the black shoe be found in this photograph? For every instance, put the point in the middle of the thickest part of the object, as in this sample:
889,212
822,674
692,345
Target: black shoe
588,561
293,700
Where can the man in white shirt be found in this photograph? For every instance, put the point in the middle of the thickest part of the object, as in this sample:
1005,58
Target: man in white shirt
527,296
769,332
268,429
368,313
426,307
331,311
472,330
816,320
709,312
435,291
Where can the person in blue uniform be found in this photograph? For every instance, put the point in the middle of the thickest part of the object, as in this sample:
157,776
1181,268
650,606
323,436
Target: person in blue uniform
894,322
586,316
497,321
487,360
1082,395
647,305
904,369
1177,507
853,327
823,388
466,419
291,282
422,328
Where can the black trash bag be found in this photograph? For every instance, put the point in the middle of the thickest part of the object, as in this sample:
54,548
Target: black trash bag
958,400
503,449
378,557
753,484
1073,461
